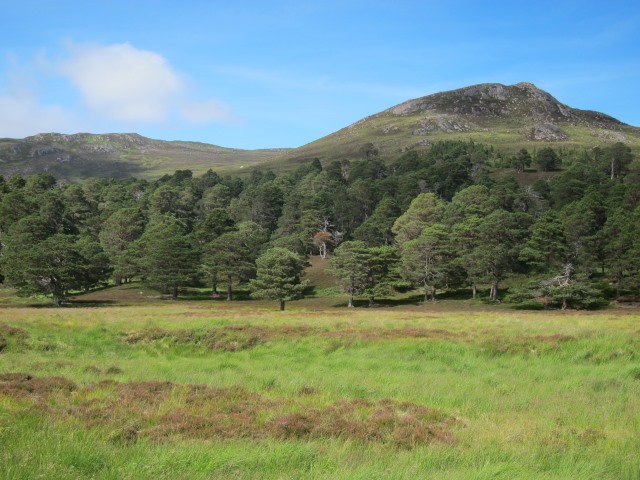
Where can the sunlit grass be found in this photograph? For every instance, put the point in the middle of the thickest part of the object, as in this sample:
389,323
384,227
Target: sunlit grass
529,394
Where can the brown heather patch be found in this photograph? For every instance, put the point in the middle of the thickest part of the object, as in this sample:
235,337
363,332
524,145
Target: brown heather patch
242,337
228,339
7,331
164,410
16,332
24,386
403,424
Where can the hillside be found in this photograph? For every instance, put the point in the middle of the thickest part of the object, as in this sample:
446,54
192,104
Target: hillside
507,117
84,155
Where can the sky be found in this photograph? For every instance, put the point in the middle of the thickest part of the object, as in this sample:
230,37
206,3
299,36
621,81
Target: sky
271,74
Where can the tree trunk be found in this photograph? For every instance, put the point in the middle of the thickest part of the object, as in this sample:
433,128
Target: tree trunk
350,305
564,304
214,289
433,293
282,305
117,280
494,290
474,290
426,294
372,301
619,282
174,293
229,289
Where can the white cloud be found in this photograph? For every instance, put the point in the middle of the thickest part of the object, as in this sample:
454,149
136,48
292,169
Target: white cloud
121,87
122,82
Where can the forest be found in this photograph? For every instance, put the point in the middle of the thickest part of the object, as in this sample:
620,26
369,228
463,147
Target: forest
547,228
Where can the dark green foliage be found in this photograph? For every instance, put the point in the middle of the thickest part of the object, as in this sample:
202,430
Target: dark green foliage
426,259
621,238
383,266
98,267
547,159
377,229
576,295
547,246
278,276
582,221
170,260
118,234
365,271
425,209
447,206
559,292
53,266
215,223
619,158
522,160
496,247
261,203
228,258
349,265
474,200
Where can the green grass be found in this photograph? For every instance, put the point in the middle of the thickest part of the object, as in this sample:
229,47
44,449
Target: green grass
454,390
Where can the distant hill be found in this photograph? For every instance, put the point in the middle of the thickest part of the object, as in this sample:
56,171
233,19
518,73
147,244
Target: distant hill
508,117
119,155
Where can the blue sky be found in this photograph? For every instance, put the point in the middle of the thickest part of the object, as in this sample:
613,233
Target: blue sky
250,74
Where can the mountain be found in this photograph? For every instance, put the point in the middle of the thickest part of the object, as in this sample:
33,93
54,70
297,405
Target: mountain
508,117
119,155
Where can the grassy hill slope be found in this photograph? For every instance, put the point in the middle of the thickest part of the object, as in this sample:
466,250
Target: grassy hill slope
507,117
83,155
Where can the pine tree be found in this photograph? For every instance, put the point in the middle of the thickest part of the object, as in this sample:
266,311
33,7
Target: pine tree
425,259
349,265
278,276
53,266
170,259
228,257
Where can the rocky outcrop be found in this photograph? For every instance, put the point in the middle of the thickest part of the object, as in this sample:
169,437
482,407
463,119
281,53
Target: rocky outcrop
442,122
547,132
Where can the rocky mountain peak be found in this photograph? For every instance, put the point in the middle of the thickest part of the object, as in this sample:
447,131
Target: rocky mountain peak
535,113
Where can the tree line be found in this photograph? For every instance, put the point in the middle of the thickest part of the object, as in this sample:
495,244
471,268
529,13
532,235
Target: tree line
449,218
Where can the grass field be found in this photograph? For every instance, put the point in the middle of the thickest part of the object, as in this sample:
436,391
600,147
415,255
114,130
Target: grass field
125,385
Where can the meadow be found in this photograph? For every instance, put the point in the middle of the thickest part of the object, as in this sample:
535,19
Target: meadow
121,384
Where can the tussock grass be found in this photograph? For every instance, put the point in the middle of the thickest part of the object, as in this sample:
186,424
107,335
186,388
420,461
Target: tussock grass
162,389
